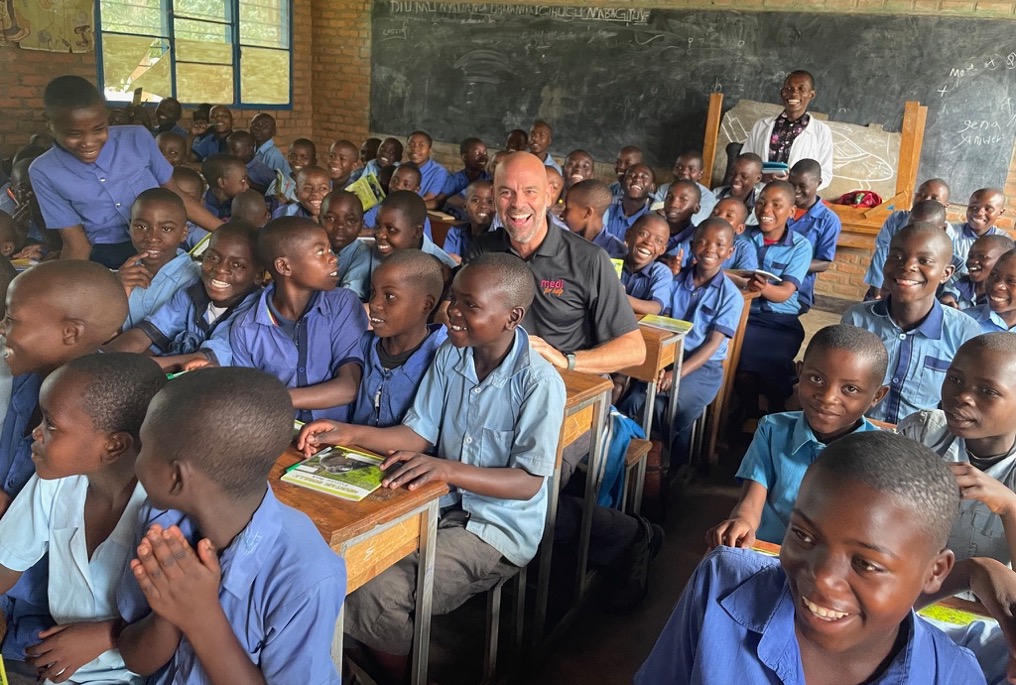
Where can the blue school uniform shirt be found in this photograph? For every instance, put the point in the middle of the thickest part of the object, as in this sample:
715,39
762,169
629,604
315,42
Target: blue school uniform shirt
706,204
370,221
821,226
989,321
651,282
735,623
965,292
512,419
617,191
428,246
386,394
181,325
308,351
260,173
293,209
789,258
459,181
614,246
457,240
892,225
918,359
616,223
433,178
723,192
175,128
208,144
745,256
98,196
273,157
354,268
962,241
680,243
281,590
179,272
551,162
220,209
714,306
783,448
195,234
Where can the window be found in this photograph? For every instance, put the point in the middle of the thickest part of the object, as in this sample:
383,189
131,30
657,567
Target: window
229,52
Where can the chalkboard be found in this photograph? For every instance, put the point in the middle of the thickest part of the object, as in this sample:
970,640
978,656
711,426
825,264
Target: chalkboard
608,77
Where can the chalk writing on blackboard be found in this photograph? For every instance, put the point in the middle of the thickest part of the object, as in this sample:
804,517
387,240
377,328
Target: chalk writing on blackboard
623,15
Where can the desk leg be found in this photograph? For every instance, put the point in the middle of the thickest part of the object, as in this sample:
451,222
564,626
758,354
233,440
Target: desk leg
424,594
668,430
594,477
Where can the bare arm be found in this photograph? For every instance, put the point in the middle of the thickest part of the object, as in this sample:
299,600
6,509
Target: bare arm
135,340
643,307
818,266
739,529
148,644
8,579
415,469
196,211
323,432
75,243
336,392
611,356
773,292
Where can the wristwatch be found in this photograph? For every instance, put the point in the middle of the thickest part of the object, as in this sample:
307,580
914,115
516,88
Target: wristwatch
571,361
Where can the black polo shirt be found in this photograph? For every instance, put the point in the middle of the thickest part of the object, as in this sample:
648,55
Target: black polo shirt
580,302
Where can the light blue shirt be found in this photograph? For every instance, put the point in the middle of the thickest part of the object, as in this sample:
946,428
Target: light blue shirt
821,226
962,240
281,589
892,225
723,192
614,246
989,321
783,448
706,204
48,516
965,292
651,282
714,306
617,223
745,256
789,258
510,419
918,359
386,394
370,220
273,157
433,178
179,272
459,181
99,195
354,268
735,623
550,161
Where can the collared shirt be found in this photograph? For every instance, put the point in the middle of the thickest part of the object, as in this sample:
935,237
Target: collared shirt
386,394
281,590
292,209
459,181
735,623
273,157
580,302
617,222
892,225
180,326
221,209
49,517
195,234
171,128
328,337
706,204
962,241
354,268
179,272
789,258
611,244
918,359
680,244
745,256
821,226
814,142
723,192
260,173
989,321
511,419
370,221
208,144
785,132
651,282
458,240
783,448
98,196
433,178
714,306
550,161
977,532
965,292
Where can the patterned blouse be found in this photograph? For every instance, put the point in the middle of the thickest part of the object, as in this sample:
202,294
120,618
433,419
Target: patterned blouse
785,132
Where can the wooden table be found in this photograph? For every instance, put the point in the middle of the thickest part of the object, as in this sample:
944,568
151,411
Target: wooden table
372,535
585,409
663,348
439,227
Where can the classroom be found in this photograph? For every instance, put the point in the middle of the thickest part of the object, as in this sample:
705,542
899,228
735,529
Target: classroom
537,332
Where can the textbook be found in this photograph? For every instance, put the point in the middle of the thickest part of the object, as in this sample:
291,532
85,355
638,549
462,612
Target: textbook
618,266
341,471
368,189
749,273
666,323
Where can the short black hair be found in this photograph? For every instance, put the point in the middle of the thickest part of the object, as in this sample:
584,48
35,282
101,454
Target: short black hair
398,147
750,157
249,206
509,274
183,172
202,111
715,222
340,194
120,388
412,168
692,154
409,203
279,238
802,72
477,184
928,210
541,122
304,142
70,92
999,341
928,231
161,196
231,423
858,341
348,144
311,169
579,153
808,167
74,287
239,228
467,145
430,141
782,186
996,240
166,136
652,173
27,152
419,268
902,468
593,193
240,136
686,183
218,165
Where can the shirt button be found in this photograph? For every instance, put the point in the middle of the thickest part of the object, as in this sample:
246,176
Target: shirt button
896,380
117,204
903,336
102,180
468,440
476,391
301,369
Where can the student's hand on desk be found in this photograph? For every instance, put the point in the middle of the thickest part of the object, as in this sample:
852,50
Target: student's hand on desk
548,352
734,532
977,485
757,283
134,274
64,649
415,470
34,251
316,434
178,584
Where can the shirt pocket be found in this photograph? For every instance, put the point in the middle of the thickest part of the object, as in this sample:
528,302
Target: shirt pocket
779,267
495,447
928,382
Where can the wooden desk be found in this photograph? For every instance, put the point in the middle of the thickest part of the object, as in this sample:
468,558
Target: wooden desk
439,227
585,410
663,348
371,536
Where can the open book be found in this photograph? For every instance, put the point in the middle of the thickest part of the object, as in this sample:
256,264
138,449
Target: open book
341,471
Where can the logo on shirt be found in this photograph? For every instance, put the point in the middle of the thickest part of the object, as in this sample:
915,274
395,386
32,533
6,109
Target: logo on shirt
555,288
